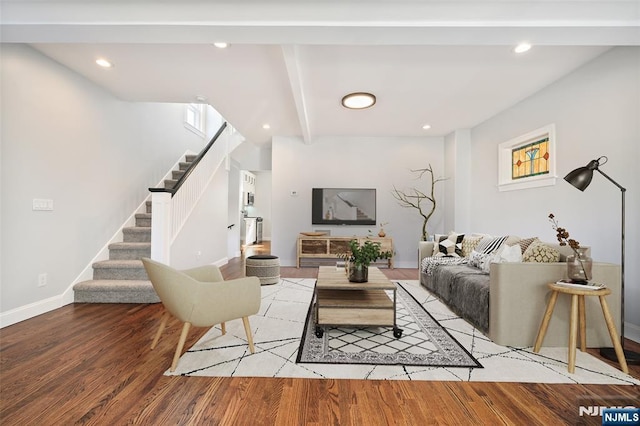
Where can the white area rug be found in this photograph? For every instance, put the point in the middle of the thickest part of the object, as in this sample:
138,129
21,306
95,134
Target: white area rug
279,325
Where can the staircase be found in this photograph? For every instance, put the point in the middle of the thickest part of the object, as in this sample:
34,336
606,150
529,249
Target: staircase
122,278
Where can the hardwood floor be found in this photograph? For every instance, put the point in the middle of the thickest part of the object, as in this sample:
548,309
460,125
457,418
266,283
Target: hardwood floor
91,364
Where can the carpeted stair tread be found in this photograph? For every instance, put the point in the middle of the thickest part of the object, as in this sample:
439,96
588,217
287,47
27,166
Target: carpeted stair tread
119,270
118,264
115,291
137,234
177,174
129,251
137,229
132,245
143,220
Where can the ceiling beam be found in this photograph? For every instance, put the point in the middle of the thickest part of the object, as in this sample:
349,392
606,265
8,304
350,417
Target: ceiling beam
379,22
292,62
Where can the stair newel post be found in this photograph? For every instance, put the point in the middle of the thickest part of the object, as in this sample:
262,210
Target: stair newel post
161,226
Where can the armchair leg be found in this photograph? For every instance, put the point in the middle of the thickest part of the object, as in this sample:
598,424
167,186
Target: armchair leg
183,338
247,329
163,324
224,328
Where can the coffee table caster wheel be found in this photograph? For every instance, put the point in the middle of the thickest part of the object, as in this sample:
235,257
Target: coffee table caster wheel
397,333
319,332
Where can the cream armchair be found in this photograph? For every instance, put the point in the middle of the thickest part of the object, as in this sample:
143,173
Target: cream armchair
202,298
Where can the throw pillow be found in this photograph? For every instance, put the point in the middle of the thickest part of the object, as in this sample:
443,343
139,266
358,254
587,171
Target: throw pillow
508,254
490,244
469,243
525,243
479,260
541,253
437,238
512,239
451,246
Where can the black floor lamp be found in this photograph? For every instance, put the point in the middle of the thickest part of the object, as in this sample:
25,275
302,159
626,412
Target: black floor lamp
581,178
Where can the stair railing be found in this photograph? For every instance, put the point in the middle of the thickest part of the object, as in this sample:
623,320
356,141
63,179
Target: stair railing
171,207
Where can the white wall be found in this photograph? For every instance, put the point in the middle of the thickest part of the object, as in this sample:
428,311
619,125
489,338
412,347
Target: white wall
263,201
596,110
203,239
377,163
458,173
65,139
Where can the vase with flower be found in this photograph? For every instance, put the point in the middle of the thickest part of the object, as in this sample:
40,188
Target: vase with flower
381,233
579,264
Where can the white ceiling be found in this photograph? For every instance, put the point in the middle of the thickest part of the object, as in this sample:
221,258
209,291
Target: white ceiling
449,64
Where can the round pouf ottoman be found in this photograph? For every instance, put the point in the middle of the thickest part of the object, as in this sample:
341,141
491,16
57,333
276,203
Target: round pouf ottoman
265,267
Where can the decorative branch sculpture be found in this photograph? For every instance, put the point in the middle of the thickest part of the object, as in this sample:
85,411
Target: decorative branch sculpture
414,198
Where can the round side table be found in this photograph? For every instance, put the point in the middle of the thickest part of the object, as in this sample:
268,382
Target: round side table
578,315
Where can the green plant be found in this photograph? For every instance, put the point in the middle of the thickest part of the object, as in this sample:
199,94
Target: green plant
364,254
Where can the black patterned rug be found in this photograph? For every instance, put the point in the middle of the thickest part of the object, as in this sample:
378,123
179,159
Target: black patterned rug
424,342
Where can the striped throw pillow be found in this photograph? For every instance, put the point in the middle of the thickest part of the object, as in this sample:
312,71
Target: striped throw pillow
490,244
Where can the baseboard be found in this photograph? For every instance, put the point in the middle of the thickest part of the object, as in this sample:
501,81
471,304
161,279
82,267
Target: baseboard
632,332
221,262
31,310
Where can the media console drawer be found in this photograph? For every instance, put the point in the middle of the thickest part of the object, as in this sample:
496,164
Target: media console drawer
327,247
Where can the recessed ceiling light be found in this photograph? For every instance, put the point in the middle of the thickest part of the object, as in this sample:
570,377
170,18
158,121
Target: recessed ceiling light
104,63
426,126
522,47
358,100
266,126
221,44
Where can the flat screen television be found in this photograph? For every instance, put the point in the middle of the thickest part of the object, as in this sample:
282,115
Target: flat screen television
343,206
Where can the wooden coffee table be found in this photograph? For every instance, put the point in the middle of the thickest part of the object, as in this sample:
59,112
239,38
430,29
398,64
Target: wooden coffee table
339,302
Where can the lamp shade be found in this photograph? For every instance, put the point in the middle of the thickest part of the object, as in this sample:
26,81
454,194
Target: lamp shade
581,177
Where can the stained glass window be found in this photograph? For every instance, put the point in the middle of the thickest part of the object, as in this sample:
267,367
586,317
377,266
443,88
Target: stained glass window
531,159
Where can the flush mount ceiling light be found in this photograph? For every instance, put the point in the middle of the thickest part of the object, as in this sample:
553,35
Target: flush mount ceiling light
522,47
358,100
104,63
426,126
266,126
221,44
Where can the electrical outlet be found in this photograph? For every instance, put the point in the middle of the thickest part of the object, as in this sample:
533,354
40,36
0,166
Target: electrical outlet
42,280
198,254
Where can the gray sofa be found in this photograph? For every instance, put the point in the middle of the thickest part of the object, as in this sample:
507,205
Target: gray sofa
508,304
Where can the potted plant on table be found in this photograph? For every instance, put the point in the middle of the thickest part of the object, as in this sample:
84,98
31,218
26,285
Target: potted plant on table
360,257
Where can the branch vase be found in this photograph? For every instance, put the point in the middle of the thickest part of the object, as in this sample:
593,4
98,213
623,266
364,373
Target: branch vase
579,266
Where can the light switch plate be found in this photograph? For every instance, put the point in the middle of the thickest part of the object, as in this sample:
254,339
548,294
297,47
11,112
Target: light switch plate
41,204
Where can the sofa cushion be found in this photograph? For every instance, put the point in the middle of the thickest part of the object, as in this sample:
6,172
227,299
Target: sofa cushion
465,290
541,253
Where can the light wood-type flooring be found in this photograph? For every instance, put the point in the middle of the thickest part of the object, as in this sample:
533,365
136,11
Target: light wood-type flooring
91,364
